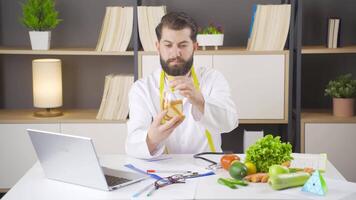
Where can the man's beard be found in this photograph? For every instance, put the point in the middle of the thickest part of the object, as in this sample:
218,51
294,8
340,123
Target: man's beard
180,69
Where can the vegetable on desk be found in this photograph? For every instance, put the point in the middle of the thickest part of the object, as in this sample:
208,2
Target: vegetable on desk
237,182
277,169
231,183
257,178
227,159
226,183
238,170
283,181
268,151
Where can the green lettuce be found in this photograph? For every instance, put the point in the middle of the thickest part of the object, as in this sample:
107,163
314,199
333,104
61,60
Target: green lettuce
268,151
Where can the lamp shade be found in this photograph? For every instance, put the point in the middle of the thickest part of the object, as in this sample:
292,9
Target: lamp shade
47,83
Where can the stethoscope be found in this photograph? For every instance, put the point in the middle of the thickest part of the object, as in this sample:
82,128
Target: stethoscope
213,165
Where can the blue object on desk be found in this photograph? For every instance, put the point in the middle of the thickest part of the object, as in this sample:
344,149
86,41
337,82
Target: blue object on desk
316,184
154,176
200,175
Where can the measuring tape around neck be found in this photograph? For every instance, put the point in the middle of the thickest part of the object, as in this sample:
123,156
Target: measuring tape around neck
197,86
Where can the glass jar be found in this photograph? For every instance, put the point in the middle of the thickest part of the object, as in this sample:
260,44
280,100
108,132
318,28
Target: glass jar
173,102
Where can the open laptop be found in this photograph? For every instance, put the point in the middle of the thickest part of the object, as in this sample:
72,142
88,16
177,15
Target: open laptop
73,159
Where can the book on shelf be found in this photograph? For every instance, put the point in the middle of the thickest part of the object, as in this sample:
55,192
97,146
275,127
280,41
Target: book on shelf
148,19
333,38
269,27
116,30
114,103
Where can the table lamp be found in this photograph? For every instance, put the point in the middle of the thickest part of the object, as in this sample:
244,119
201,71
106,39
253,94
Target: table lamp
47,87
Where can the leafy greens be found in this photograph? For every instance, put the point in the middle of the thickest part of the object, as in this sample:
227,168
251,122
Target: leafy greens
268,151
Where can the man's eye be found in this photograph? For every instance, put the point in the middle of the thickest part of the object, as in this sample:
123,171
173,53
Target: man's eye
168,45
183,45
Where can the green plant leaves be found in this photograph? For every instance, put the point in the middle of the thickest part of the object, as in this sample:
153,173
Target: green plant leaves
211,29
268,151
343,87
40,15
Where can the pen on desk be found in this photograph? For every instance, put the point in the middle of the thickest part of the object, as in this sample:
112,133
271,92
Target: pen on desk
142,190
167,171
151,191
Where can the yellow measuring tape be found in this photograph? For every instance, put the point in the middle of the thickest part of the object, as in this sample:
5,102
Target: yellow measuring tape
196,85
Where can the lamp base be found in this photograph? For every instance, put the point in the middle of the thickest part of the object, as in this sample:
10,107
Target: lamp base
48,112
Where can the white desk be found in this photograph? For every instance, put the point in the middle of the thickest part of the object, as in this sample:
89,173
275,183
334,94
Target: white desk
34,185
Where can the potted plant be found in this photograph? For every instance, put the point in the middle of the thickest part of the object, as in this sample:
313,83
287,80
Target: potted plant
211,35
40,17
343,91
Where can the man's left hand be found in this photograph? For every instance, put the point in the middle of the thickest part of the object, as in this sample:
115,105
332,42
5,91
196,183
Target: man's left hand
186,88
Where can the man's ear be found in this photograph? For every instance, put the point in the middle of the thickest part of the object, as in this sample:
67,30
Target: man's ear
157,45
195,45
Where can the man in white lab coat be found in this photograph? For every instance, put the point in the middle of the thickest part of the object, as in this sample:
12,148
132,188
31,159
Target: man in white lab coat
207,104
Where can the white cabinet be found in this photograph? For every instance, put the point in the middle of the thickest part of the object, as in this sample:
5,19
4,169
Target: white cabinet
149,63
108,138
17,154
337,140
258,84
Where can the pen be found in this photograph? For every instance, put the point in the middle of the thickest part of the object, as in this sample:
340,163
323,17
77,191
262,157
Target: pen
143,189
151,191
167,171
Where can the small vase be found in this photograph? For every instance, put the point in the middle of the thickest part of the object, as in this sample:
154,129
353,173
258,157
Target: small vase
40,40
343,107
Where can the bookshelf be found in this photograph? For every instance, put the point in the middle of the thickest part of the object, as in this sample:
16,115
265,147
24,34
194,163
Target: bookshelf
23,116
224,51
319,130
61,51
325,50
16,48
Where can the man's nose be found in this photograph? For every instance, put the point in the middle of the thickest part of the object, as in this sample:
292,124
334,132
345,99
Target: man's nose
176,52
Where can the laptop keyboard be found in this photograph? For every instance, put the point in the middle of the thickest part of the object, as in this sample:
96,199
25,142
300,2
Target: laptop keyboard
113,180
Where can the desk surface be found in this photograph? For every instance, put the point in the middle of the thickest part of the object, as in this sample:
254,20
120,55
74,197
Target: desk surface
34,185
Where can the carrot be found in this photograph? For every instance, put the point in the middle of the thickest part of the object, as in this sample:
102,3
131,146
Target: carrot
257,178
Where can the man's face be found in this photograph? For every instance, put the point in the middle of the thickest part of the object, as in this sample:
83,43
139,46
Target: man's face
176,50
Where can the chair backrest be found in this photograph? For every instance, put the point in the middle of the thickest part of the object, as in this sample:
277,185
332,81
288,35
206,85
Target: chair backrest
250,137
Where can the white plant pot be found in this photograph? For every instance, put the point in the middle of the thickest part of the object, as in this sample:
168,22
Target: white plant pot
210,40
40,40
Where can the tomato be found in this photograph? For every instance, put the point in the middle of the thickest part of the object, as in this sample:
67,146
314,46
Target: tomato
227,159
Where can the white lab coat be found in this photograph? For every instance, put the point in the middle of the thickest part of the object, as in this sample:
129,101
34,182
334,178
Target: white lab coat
219,116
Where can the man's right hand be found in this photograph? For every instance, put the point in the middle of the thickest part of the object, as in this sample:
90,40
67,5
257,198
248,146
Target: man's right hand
159,132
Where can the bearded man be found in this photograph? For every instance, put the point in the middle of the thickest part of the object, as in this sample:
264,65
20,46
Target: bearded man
207,105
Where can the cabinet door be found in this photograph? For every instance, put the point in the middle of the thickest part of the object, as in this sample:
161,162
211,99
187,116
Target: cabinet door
108,138
151,63
337,140
257,84
17,154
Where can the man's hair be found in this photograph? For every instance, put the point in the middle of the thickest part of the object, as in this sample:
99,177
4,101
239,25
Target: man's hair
177,21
